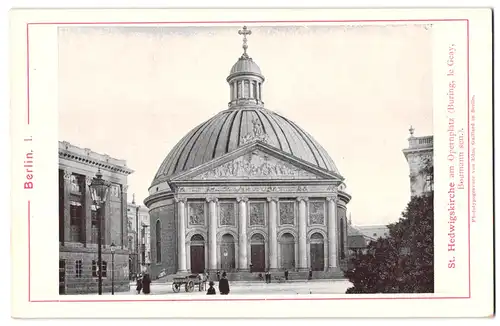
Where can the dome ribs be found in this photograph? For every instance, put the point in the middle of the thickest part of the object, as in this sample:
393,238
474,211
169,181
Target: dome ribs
203,153
239,132
307,139
214,152
272,116
268,132
180,155
230,130
192,153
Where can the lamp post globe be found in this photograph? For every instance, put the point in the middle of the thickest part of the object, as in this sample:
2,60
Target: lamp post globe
99,191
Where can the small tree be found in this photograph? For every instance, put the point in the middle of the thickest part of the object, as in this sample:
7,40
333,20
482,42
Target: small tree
403,262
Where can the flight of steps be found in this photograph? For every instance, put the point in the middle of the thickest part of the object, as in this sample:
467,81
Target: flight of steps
254,277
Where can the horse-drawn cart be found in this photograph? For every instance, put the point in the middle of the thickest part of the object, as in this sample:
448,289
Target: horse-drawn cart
189,283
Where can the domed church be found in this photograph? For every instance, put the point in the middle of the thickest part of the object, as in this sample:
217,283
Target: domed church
248,191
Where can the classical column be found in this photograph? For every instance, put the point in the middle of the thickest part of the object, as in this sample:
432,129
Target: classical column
242,236
181,235
124,218
88,211
67,209
302,234
212,233
273,240
332,232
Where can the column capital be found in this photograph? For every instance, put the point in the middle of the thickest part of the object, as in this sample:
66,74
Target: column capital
67,175
180,199
88,180
270,199
299,199
241,199
332,198
212,199
124,188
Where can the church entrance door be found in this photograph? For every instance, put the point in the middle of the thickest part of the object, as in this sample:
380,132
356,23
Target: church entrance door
287,246
227,253
197,254
317,252
258,253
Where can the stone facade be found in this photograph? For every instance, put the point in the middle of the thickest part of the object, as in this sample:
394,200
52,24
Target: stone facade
163,223
419,153
248,189
139,238
78,222
231,227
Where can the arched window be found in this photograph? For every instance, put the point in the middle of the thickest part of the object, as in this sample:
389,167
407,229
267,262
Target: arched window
158,241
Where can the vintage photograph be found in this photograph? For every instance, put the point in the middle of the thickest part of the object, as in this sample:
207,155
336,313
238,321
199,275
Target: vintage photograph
245,159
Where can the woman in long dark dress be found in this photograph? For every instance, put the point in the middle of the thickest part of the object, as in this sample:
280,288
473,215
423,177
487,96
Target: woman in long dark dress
138,284
146,284
224,285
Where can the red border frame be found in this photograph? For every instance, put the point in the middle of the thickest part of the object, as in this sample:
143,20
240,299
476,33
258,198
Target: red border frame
255,22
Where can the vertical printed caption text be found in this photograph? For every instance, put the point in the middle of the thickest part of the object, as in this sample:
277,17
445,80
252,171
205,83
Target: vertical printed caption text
28,165
455,157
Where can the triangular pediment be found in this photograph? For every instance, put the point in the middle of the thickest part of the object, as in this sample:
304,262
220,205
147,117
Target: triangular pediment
256,162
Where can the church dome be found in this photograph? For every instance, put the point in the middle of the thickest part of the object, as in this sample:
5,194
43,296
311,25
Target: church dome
245,66
245,120
225,132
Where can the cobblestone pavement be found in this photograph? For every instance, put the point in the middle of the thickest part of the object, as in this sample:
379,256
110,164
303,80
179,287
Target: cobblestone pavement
255,288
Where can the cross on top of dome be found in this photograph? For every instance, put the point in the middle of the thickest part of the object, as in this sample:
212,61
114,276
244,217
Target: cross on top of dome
245,31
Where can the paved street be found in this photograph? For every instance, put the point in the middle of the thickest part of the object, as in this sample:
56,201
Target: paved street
251,288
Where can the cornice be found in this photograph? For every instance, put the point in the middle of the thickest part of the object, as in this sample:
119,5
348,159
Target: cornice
68,155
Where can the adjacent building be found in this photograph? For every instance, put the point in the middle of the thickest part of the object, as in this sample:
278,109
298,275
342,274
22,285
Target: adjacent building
419,154
248,190
78,223
139,240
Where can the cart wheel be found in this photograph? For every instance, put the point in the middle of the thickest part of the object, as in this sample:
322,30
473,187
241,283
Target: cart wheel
190,286
176,287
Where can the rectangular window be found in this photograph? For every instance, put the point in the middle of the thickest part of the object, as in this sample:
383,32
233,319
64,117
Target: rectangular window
94,224
246,89
61,205
76,183
104,269
78,268
76,221
95,270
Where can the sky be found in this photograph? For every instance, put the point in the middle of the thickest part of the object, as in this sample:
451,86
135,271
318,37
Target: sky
134,92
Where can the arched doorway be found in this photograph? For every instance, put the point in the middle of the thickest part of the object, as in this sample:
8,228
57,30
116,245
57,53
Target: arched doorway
287,244
227,251
197,254
258,253
317,252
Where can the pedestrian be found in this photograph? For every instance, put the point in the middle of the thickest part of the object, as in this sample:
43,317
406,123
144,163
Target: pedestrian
286,275
218,276
310,274
146,284
138,284
270,277
267,276
211,289
205,279
224,285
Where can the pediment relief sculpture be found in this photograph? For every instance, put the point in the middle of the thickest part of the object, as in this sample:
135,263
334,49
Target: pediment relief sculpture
256,165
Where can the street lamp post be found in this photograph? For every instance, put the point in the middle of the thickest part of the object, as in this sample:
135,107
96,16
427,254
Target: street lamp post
99,190
113,248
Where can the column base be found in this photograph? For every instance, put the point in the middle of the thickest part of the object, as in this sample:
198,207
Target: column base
182,271
244,270
274,270
302,269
